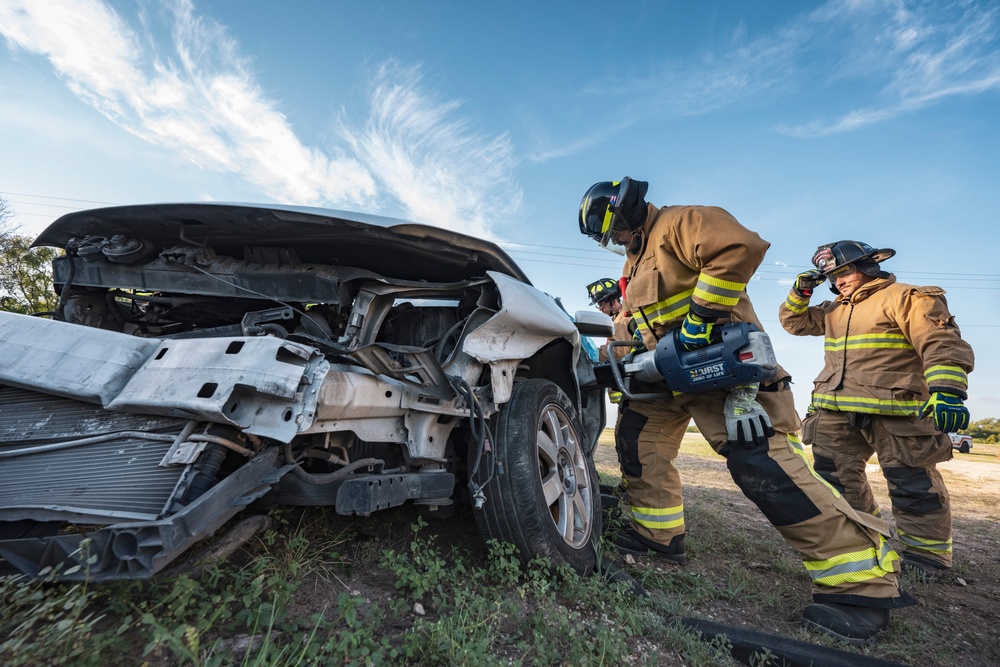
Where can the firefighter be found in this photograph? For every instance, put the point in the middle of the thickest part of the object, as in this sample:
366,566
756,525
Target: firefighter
688,267
606,295
893,355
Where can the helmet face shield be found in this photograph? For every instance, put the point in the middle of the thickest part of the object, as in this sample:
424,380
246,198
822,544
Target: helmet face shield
599,217
609,241
597,209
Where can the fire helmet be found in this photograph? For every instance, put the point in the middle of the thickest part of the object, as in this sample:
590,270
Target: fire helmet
830,257
609,207
602,290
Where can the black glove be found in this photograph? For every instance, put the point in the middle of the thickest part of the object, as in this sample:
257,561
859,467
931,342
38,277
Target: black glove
807,281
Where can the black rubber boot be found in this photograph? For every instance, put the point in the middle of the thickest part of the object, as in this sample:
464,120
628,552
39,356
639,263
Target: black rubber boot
925,568
858,626
615,573
631,542
611,509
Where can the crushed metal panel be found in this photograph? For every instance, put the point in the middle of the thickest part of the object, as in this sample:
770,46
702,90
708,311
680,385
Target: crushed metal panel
263,385
69,360
527,321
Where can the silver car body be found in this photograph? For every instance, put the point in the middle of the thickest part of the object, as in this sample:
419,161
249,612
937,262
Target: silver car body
355,351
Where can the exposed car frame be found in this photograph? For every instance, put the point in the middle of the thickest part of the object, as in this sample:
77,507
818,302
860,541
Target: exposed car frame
205,356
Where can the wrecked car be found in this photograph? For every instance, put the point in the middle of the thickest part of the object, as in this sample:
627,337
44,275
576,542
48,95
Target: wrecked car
207,356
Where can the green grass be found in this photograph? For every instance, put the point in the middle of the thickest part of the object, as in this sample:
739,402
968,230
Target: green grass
319,589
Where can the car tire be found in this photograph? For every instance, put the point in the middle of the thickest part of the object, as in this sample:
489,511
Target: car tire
542,495
964,448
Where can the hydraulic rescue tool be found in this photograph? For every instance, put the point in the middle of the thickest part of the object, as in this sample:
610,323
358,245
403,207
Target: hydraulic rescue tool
743,355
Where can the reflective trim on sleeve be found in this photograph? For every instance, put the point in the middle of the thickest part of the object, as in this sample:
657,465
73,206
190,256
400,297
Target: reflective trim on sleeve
853,567
797,304
922,544
872,406
867,342
659,518
720,292
672,308
937,374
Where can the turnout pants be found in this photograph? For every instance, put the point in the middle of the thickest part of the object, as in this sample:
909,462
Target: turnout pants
844,552
908,450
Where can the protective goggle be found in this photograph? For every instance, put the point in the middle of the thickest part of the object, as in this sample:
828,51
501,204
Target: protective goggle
843,271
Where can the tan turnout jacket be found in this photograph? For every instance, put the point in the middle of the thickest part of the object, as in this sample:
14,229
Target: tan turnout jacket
698,254
885,346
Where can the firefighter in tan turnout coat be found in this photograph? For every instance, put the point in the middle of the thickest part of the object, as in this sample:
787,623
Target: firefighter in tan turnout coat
893,353
688,267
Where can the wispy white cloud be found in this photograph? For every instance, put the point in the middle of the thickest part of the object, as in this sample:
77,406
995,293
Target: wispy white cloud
430,158
878,59
909,56
178,80
744,72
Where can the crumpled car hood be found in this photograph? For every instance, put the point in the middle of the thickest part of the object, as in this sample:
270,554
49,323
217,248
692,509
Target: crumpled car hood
390,247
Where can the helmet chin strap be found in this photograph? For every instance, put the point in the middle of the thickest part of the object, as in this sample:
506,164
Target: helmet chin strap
637,243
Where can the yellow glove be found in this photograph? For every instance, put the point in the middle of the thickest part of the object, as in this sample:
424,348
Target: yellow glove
695,332
947,410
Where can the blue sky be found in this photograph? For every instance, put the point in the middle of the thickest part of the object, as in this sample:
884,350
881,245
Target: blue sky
873,120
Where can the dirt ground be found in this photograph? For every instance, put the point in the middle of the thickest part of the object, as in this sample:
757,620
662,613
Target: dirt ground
957,620
955,623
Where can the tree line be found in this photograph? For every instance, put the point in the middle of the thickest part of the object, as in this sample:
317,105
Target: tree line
25,272
984,430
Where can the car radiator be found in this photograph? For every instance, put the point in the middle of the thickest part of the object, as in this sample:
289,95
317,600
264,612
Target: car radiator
100,483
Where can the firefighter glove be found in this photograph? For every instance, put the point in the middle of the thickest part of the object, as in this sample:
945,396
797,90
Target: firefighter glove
807,281
695,332
747,424
947,410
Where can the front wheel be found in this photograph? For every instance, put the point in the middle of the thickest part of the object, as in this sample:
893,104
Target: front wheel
543,496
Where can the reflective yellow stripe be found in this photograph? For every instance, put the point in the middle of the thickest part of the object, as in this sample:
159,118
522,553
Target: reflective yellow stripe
721,292
867,342
854,567
796,445
936,374
659,518
608,216
874,406
921,544
797,304
606,225
672,308
614,396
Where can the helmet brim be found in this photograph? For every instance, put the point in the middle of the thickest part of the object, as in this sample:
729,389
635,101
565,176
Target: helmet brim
882,254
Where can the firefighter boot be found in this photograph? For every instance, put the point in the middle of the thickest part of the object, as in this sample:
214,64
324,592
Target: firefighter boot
858,626
925,569
631,542
611,509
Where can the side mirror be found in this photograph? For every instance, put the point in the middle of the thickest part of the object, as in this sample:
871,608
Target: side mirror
594,323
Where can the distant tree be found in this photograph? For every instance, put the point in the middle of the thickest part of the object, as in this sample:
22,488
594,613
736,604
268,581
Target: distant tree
984,430
25,272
